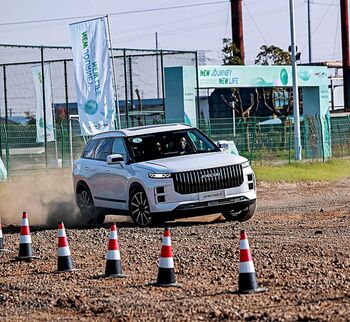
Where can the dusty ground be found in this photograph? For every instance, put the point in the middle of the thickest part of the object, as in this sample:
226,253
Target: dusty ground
300,240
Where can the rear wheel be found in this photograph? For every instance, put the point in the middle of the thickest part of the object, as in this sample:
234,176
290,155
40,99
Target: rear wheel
139,208
243,215
90,214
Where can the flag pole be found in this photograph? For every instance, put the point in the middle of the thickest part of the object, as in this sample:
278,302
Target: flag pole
113,73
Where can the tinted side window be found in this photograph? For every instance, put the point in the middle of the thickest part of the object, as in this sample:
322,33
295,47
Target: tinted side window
119,147
89,150
103,149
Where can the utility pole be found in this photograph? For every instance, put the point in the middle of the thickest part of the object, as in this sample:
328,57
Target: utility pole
297,140
344,9
157,64
237,26
309,29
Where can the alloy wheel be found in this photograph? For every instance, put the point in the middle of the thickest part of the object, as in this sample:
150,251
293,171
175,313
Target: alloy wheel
140,211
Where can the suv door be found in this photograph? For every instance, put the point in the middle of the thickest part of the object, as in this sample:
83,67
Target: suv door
98,180
87,167
115,179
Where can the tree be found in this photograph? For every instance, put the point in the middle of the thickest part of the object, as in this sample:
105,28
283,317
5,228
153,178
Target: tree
272,55
231,53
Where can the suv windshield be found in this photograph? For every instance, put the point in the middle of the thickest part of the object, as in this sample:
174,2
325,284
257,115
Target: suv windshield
169,144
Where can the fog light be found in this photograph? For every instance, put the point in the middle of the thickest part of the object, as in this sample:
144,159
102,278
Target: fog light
250,177
161,198
160,189
251,186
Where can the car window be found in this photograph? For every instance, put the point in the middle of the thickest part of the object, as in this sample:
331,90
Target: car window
89,150
169,144
103,149
198,142
118,147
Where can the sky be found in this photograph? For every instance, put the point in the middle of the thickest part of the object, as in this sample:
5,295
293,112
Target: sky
201,27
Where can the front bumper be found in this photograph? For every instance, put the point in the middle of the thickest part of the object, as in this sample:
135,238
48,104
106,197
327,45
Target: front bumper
206,208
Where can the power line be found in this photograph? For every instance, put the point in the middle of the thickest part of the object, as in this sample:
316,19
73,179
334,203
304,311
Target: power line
113,13
336,34
255,24
320,22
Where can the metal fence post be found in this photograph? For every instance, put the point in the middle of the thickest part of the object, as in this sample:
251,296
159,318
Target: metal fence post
163,88
319,117
126,89
5,95
62,144
44,99
289,141
197,85
253,142
7,150
66,90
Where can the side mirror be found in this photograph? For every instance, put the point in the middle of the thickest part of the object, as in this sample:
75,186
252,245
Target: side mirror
115,159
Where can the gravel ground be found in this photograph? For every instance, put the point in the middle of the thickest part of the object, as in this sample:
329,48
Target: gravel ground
300,240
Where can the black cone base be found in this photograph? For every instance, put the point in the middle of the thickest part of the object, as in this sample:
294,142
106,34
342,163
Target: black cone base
114,268
166,278
65,264
25,252
247,284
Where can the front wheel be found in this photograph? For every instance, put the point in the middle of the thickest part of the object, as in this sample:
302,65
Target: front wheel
139,208
90,214
243,215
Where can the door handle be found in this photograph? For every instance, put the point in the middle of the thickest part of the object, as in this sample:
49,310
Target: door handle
108,171
86,168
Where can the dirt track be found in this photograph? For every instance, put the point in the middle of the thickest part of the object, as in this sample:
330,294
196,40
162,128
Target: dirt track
300,239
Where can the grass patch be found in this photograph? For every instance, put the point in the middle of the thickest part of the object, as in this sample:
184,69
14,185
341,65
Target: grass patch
304,171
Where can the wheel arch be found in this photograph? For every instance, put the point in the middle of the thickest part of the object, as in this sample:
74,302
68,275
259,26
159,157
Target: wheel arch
80,185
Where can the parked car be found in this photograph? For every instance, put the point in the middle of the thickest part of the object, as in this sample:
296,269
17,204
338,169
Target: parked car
161,172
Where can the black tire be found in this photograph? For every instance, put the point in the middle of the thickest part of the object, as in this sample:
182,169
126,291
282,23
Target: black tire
243,215
139,208
89,214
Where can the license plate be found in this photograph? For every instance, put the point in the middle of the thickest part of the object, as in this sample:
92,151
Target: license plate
212,195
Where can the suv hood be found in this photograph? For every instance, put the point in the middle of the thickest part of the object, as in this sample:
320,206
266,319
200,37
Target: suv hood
192,162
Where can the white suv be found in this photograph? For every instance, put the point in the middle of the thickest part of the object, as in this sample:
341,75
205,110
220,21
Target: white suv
161,172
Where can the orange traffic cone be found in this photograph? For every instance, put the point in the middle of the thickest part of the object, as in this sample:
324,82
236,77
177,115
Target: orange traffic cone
113,263
25,242
64,262
247,277
166,272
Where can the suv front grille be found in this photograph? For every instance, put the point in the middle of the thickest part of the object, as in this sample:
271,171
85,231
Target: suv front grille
208,179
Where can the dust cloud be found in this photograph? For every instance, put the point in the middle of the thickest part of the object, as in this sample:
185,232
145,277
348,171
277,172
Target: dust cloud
48,198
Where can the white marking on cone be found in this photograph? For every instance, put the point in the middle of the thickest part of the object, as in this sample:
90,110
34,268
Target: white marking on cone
244,244
62,233
25,222
246,267
166,262
25,239
63,251
113,234
166,241
113,255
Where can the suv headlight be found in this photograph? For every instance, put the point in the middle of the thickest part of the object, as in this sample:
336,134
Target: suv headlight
245,164
159,175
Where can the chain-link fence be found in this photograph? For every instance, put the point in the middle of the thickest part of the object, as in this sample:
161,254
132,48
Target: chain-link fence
139,78
260,140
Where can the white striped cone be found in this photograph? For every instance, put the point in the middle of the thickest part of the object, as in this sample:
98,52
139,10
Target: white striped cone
166,272
25,243
64,261
247,277
113,262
